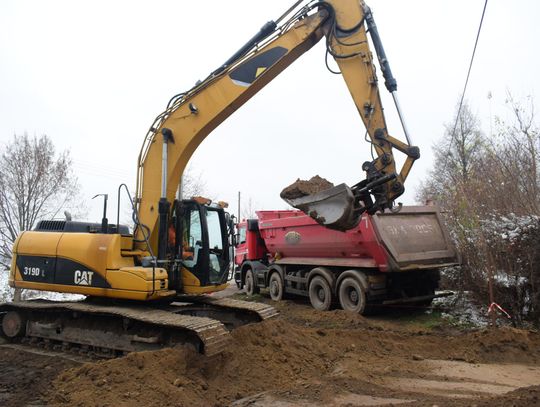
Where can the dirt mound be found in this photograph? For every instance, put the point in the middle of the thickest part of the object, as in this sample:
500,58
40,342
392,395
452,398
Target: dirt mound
302,355
306,316
266,355
139,378
526,397
505,345
523,397
24,376
302,188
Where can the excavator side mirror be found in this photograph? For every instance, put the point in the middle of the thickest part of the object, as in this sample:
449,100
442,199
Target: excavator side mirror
230,220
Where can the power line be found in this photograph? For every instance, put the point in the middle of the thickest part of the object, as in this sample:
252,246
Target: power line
468,75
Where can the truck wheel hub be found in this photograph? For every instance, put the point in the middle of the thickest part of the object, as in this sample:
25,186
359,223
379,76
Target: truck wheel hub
320,294
353,296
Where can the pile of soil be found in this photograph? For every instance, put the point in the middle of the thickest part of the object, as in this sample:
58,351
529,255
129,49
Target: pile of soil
302,188
525,397
301,355
25,377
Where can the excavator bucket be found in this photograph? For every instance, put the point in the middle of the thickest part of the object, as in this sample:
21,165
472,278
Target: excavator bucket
333,208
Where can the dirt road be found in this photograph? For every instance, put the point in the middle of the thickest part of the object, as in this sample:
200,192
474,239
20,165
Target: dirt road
301,358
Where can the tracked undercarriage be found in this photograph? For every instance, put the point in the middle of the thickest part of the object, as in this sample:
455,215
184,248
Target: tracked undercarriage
110,330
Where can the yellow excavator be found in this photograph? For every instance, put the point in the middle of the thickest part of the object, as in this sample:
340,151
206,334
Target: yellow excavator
145,289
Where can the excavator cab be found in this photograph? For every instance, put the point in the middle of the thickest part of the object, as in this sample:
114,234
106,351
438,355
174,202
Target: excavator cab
200,245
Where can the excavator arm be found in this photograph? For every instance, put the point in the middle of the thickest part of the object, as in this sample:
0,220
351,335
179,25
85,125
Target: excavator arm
191,116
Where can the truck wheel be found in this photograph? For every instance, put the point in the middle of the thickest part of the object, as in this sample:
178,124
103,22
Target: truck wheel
249,285
275,286
352,296
320,294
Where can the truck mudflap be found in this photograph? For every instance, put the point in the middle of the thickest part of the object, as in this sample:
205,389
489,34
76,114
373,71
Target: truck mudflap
415,237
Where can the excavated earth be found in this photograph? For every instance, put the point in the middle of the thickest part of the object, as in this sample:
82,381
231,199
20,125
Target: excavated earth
301,358
302,188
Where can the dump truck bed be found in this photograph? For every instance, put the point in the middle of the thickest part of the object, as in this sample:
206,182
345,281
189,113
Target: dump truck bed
413,238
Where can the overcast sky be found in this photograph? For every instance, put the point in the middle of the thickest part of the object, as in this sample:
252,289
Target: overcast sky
92,75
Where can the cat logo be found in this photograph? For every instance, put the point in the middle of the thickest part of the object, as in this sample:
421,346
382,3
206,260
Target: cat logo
83,277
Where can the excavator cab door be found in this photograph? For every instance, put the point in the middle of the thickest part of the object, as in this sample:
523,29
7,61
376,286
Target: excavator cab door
202,239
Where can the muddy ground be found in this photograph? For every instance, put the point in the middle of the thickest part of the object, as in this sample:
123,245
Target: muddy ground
301,358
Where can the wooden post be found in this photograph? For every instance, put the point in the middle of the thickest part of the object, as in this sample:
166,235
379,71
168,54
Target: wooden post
493,314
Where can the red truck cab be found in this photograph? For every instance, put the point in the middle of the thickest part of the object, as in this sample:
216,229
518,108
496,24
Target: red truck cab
250,245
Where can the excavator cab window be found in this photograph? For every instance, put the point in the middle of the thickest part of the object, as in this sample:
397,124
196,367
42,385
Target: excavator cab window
204,243
193,241
218,259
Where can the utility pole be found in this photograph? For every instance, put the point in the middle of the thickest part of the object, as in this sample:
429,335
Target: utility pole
239,218
490,268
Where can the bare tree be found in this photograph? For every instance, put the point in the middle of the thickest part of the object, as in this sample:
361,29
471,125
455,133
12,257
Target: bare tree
35,183
249,208
514,157
192,183
457,158
490,192
462,146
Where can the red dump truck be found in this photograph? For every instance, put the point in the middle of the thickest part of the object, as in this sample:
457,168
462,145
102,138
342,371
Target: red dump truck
388,258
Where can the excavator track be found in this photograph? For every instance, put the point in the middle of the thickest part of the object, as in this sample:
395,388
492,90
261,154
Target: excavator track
110,330
263,311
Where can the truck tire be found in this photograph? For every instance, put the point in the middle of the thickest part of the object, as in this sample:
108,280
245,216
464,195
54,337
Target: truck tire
275,286
249,284
320,294
352,296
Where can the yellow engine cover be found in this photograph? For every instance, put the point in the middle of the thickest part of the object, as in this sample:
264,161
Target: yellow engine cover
84,263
